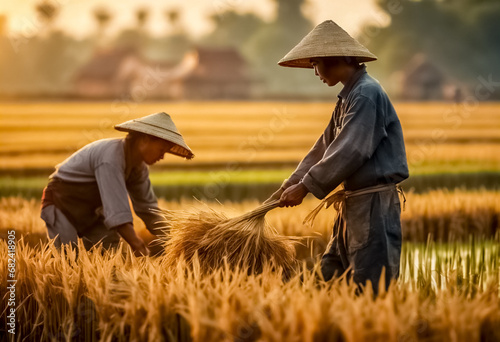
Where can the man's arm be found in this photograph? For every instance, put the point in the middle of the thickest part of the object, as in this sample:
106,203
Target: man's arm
145,202
314,155
360,136
115,204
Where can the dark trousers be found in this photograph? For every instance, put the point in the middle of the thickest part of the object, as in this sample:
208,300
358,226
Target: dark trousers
64,233
366,240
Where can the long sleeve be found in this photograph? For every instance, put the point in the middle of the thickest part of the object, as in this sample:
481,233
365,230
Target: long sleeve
144,200
314,155
363,130
113,191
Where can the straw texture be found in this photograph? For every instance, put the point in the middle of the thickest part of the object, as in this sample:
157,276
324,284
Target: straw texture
159,125
326,40
215,240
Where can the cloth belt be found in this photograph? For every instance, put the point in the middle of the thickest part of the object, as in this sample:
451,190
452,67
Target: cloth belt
79,202
338,198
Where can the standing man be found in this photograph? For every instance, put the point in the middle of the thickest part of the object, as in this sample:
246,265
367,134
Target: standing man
88,194
363,149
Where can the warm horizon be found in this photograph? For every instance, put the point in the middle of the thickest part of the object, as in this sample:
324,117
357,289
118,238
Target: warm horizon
387,139
195,15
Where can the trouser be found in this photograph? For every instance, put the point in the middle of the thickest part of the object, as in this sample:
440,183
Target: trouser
64,233
368,241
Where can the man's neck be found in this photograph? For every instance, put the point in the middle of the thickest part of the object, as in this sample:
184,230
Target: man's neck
349,72
133,156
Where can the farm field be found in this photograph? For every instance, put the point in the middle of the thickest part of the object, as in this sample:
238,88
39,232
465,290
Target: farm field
440,137
449,284
448,288
95,297
241,144
446,215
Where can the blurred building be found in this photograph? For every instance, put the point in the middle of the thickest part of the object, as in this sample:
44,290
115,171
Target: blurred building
215,73
422,80
204,73
109,73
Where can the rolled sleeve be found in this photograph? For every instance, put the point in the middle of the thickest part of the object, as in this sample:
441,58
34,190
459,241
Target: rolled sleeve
117,220
314,187
113,191
361,133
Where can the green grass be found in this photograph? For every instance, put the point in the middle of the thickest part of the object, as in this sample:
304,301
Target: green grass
435,266
261,176
453,167
163,178
219,176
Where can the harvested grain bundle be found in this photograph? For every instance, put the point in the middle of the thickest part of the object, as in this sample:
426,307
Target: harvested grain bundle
246,241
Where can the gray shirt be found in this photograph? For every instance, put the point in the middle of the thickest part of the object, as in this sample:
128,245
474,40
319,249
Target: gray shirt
106,163
362,145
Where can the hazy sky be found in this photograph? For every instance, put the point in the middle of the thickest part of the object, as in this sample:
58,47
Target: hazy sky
75,15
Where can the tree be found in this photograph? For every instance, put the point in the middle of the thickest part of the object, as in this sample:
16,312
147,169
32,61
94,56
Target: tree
233,29
271,42
173,45
142,15
103,17
135,37
462,37
47,13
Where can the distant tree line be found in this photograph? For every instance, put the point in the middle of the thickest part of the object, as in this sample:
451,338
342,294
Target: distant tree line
461,36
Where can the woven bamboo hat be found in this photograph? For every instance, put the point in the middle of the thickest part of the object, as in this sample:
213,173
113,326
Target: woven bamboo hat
326,40
159,125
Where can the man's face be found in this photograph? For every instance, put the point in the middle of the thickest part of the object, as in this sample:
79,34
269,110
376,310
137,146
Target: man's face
328,73
153,149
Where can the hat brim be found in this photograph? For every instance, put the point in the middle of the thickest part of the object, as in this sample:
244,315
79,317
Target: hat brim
180,148
326,40
305,62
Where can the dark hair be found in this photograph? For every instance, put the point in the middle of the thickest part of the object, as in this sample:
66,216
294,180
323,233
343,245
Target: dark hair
134,136
331,61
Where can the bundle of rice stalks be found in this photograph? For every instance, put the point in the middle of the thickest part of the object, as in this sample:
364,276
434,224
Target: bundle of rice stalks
246,241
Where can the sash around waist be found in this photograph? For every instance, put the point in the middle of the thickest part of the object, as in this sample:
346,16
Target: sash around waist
80,202
337,199
370,190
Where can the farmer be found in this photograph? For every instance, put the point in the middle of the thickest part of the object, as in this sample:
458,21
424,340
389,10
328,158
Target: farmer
88,194
362,148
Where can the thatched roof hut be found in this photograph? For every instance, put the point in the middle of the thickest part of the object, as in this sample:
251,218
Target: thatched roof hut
217,73
109,73
422,80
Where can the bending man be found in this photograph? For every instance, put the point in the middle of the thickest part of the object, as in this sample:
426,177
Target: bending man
88,194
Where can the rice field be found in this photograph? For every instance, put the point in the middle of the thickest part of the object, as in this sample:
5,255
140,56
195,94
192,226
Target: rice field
449,284
446,215
117,297
440,137
447,291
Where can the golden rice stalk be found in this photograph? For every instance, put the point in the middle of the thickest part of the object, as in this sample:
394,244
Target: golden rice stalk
246,241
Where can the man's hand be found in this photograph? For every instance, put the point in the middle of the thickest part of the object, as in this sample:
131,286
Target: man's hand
127,232
140,248
275,196
293,195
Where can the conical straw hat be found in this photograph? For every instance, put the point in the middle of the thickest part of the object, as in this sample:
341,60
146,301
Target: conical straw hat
326,40
161,126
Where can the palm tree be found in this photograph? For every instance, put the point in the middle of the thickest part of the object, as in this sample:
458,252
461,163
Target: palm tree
142,15
103,17
47,12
